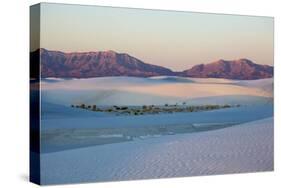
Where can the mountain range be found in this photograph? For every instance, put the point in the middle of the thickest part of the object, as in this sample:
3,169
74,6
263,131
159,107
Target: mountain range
110,63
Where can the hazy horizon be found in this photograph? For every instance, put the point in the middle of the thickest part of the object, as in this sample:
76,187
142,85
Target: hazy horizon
173,39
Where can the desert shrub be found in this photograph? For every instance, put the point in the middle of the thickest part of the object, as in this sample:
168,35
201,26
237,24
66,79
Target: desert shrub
124,108
94,107
190,108
226,106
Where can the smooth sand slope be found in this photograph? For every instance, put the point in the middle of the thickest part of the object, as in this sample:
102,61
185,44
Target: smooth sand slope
243,148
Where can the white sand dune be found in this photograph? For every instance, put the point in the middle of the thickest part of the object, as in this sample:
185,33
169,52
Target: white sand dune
247,147
56,111
155,90
194,80
265,85
242,148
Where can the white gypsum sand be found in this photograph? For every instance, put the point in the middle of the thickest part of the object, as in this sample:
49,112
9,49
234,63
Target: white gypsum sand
155,90
243,148
247,147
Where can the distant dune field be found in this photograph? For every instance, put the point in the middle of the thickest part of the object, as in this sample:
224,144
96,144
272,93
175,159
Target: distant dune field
154,90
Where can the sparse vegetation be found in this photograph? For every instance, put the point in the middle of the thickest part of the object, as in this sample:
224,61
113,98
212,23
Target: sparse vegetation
116,107
109,110
152,109
124,108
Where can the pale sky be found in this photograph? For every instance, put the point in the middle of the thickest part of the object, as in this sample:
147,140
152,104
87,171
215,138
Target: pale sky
176,40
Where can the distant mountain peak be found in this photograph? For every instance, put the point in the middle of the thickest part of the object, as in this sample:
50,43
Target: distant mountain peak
244,60
110,51
241,60
95,64
240,69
